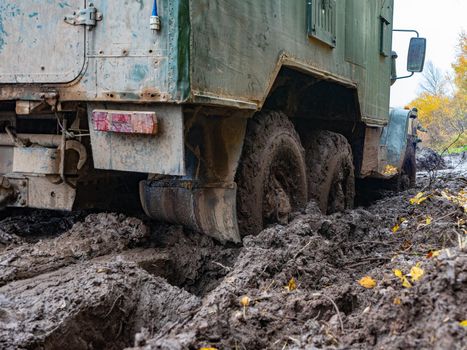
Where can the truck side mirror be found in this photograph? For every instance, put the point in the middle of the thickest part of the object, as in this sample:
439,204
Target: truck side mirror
416,56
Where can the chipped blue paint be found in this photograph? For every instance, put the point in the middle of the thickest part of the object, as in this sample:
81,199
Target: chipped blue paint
154,67
64,4
8,10
35,26
3,34
139,72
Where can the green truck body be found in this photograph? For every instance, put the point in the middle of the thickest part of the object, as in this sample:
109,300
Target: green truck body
199,75
222,52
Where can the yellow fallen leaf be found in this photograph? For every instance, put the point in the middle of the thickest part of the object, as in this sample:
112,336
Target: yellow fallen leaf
396,228
433,254
390,170
419,198
292,285
207,349
459,199
405,282
428,220
416,272
463,323
397,301
403,278
367,282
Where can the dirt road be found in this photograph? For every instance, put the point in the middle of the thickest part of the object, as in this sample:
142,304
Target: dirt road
389,276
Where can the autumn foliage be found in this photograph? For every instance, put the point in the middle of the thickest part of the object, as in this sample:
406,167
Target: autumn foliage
444,113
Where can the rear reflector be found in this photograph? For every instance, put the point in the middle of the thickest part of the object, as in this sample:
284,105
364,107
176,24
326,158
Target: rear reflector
125,122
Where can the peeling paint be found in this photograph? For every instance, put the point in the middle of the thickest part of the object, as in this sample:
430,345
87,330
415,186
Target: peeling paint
3,33
139,72
29,33
64,4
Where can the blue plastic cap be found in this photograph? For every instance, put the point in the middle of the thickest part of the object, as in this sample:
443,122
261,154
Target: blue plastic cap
154,9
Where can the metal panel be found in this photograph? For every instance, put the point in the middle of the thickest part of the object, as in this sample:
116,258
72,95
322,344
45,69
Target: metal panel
386,29
371,152
36,45
6,159
37,160
188,206
356,32
243,42
321,18
158,154
125,59
394,137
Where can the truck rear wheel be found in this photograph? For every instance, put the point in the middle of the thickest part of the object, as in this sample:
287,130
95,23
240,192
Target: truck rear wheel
331,178
271,177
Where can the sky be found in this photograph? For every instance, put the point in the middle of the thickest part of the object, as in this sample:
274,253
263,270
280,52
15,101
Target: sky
440,22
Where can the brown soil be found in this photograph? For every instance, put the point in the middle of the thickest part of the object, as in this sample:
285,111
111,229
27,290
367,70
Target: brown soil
112,282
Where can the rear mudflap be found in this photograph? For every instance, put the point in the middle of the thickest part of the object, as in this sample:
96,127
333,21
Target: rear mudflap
210,209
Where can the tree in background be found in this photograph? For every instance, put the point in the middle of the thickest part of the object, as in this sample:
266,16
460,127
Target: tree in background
434,82
444,113
459,105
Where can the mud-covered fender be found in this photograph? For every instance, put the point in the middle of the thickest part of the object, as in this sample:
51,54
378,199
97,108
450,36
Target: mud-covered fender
394,136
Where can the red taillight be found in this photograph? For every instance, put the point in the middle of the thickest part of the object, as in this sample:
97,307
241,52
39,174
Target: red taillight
126,122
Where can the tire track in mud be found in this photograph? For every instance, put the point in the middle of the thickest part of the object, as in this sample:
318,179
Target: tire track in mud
114,282
91,305
102,281
97,235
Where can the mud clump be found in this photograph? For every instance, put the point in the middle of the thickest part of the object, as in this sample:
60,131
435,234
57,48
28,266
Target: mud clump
429,160
197,262
97,235
88,306
32,225
301,283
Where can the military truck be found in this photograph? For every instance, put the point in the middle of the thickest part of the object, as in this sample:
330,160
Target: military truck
223,115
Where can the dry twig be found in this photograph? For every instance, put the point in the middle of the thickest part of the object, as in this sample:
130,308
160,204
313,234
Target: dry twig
335,307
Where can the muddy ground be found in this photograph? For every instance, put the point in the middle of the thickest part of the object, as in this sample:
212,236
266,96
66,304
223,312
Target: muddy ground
107,281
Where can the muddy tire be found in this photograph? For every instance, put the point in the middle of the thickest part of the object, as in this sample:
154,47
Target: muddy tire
409,166
331,176
271,177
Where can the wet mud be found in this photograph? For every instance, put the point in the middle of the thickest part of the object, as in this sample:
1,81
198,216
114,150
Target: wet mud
114,282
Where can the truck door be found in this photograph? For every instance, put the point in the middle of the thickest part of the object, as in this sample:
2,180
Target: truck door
37,44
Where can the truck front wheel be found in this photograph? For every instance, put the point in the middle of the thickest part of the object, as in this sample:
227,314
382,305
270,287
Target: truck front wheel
271,177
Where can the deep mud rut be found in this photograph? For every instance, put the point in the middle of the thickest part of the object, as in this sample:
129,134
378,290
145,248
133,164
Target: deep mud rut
107,281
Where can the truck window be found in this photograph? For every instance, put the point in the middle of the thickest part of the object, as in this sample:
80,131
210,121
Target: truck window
321,20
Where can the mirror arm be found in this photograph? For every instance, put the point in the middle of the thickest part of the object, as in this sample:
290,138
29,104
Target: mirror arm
407,31
404,77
